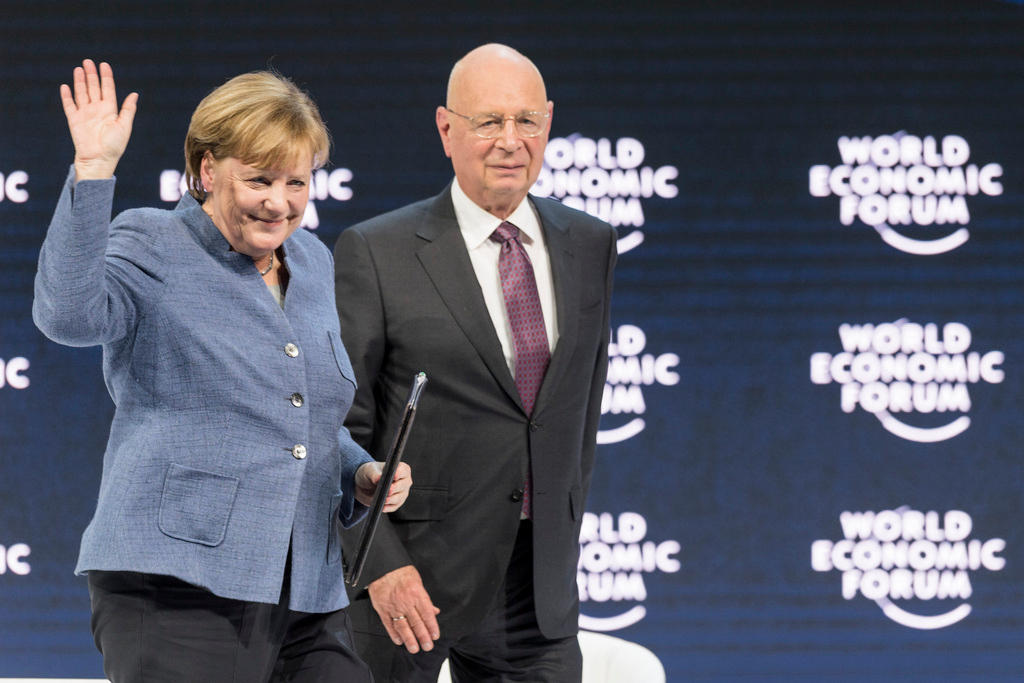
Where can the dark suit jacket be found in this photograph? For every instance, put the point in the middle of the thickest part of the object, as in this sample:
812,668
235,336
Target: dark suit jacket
409,301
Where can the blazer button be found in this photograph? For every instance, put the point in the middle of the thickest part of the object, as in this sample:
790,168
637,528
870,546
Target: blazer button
291,350
299,451
534,426
296,399
517,496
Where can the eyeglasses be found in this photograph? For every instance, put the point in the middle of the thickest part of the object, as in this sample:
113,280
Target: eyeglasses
529,124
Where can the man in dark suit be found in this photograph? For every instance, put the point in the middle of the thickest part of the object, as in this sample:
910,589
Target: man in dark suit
503,301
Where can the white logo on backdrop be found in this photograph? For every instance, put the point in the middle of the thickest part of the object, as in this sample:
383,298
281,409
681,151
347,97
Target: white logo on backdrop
12,559
896,556
629,371
614,557
12,373
900,180
605,179
12,187
905,367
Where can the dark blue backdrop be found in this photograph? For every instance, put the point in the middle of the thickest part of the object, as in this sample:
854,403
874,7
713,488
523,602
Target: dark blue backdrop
735,272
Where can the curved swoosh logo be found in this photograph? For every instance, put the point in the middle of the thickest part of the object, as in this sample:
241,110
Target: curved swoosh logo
626,431
905,618
919,434
922,247
630,241
613,623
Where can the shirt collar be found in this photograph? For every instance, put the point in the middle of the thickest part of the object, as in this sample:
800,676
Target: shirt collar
477,224
202,225
207,234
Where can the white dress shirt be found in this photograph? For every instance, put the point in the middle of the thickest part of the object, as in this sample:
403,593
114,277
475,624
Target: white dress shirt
476,226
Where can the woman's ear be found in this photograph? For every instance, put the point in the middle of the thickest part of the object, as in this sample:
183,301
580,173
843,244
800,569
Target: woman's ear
207,171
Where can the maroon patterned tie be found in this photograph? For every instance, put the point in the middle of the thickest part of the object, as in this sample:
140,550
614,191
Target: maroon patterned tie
526,318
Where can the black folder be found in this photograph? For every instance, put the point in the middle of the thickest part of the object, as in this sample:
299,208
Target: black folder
386,477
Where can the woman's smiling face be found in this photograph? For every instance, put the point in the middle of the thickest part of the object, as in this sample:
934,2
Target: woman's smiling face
256,209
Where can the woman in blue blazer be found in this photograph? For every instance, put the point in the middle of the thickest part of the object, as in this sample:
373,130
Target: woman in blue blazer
213,554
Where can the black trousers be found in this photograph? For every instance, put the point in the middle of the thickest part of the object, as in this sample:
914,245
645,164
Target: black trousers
158,629
508,645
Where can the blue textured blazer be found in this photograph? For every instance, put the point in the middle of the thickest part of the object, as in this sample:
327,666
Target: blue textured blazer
227,441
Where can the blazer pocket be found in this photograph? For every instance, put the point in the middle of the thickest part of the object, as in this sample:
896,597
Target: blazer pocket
425,503
341,357
575,503
195,505
334,530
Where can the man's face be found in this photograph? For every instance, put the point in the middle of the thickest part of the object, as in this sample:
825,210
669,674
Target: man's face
495,173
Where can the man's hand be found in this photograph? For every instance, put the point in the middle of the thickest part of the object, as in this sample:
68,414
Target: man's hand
368,477
405,609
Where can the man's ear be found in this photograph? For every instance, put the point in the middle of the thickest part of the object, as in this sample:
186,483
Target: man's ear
444,127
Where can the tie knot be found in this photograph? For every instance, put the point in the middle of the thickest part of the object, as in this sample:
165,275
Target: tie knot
505,232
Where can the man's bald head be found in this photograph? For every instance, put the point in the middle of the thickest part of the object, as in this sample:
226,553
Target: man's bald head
482,60
496,82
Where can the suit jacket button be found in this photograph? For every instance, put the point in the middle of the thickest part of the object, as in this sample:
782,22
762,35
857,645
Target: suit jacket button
296,399
517,496
291,350
534,426
299,451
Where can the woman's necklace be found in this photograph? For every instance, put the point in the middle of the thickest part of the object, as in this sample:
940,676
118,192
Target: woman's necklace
269,265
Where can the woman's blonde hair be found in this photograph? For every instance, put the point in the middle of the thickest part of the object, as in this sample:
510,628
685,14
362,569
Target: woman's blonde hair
260,118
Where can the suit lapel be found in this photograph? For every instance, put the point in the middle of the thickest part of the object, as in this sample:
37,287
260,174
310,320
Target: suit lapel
446,261
565,280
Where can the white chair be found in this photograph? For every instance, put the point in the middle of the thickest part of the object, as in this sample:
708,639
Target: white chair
607,659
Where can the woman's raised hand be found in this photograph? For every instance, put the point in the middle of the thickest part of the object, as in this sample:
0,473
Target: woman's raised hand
100,133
